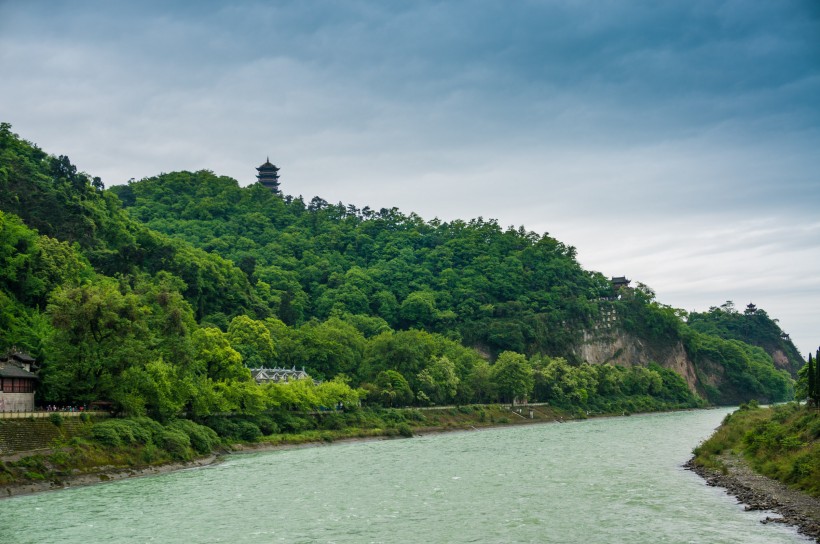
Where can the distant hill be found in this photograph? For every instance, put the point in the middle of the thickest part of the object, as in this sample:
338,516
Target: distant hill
752,326
159,295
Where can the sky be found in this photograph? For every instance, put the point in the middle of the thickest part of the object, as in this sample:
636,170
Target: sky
676,143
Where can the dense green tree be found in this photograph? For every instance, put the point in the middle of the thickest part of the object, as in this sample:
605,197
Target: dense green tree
438,383
512,376
99,331
753,326
214,357
392,389
159,294
252,340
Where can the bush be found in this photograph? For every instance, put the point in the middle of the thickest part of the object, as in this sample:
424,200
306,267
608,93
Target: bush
223,426
333,422
404,430
126,432
248,431
56,419
107,435
294,424
177,443
266,424
203,439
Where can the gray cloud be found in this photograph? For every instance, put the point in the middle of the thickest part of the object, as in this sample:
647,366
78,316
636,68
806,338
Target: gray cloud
674,142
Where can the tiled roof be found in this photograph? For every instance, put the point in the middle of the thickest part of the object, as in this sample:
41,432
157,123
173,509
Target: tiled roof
12,370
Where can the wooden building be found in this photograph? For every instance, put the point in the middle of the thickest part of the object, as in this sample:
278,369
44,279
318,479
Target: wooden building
269,176
17,382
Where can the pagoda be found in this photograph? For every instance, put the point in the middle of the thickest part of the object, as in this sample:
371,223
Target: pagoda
619,282
269,176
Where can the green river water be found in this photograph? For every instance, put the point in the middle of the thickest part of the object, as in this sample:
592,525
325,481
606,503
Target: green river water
613,480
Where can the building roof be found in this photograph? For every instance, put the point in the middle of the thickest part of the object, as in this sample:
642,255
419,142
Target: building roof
267,166
23,357
278,374
10,369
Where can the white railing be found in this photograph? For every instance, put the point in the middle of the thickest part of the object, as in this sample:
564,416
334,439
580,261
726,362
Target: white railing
44,414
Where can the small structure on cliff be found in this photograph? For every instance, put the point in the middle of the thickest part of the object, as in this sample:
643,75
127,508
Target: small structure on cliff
278,375
17,381
269,176
619,282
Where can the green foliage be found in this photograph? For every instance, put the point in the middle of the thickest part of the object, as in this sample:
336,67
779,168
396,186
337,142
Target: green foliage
177,443
749,371
512,376
252,340
159,295
782,442
391,389
202,439
124,432
753,327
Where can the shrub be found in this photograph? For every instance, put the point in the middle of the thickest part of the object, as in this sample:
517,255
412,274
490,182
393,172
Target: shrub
248,431
56,419
404,430
125,432
106,435
177,443
334,422
294,424
223,426
266,424
203,439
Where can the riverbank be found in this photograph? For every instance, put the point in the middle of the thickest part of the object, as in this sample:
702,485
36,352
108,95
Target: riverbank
48,470
437,420
759,492
769,458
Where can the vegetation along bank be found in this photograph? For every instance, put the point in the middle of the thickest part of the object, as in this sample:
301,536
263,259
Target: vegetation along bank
172,299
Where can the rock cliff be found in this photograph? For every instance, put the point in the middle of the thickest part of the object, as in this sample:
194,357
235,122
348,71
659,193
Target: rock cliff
614,346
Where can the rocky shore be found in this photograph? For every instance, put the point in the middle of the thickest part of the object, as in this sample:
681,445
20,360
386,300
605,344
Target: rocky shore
758,492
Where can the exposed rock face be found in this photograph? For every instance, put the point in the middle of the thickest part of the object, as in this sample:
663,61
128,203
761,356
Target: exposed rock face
781,360
617,347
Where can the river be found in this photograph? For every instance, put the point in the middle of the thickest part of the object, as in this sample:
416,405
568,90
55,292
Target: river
613,480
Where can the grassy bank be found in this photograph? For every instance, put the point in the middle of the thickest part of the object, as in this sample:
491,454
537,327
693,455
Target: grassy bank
781,442
107,448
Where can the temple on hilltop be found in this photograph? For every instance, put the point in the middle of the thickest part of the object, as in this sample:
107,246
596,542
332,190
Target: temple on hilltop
619,282
269,176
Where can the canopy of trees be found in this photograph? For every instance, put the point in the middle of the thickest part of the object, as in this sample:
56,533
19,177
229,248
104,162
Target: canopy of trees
159,295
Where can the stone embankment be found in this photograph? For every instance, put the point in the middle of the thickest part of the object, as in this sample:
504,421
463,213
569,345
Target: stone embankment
758,492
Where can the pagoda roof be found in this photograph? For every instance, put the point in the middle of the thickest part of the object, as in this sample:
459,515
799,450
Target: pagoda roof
267,165
10,369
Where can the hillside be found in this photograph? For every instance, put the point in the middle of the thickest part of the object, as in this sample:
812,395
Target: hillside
160,294
490,288
754,327
781,442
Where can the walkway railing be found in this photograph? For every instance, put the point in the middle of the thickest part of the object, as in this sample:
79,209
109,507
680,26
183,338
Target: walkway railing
44,414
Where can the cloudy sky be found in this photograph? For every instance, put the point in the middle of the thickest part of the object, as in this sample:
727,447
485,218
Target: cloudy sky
676,143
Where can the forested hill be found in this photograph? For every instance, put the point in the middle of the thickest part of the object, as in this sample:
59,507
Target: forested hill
752,326
498,289
159,294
